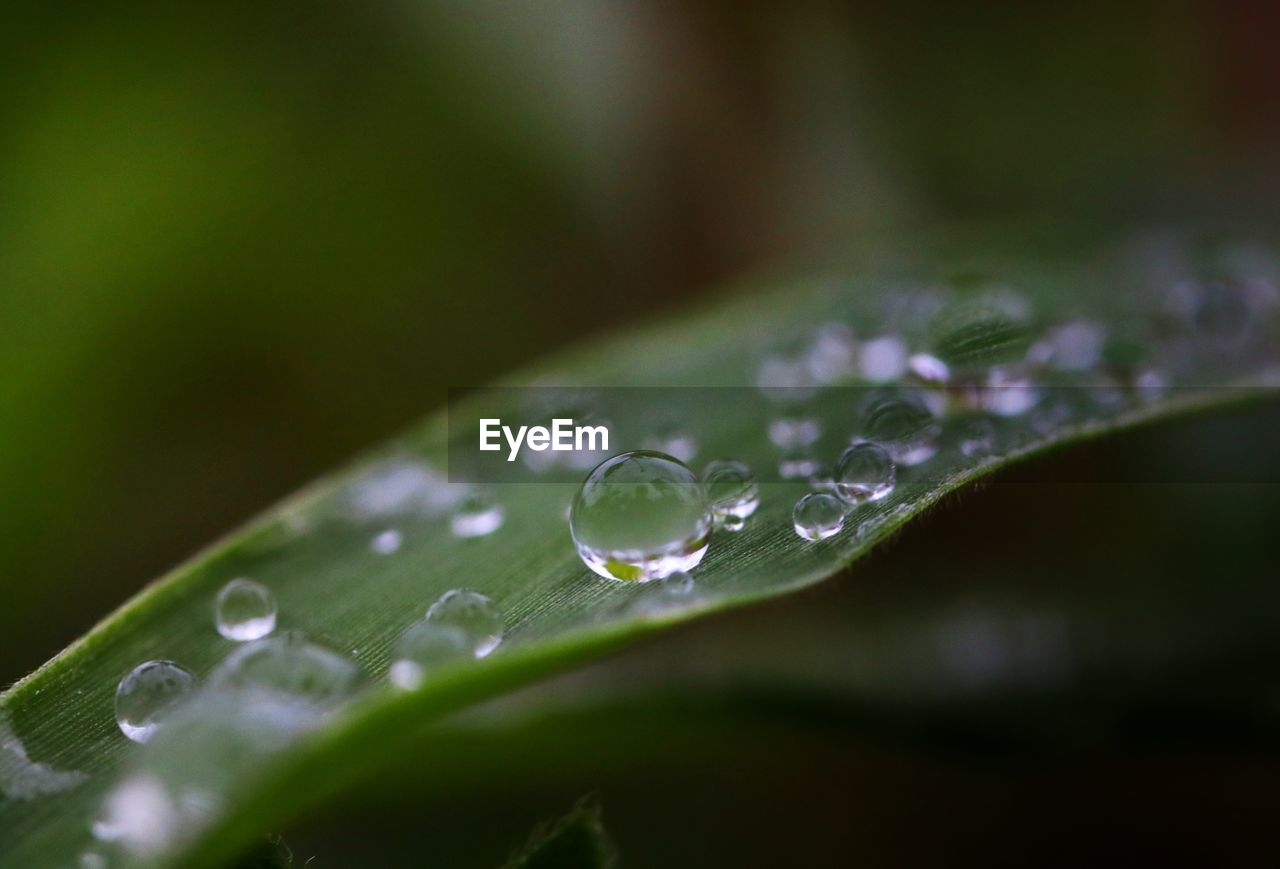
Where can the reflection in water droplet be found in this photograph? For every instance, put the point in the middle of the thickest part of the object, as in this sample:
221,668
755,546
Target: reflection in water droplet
473,613
883,359
864,473
732,524
424,646
148,694
386,542
732,488
818,516
244,610
477,516
640,516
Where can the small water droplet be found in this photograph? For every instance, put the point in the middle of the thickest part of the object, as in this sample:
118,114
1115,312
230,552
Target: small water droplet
473,613
790,432
641,516
1009,392
674,442
883,359
784,379
93,860
1077,345
244,610
147,694
798,463
732,489
424,646
818,516
669,594
906,430
290,667
929,369
386,542
1150,384
476,516
865,473
978,437
833,354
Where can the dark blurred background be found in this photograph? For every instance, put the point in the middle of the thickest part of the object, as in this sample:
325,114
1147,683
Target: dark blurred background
241,241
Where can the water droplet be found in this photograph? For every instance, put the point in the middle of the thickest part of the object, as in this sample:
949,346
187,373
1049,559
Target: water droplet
674,442
292,668
865,473
818,516
978,437
732,489
147,694
424,646
929,369
1150,384
976,333
93,860
139,814
833,353
906,430
244,610
883,359
1009,392
790,432
798,463
387,542
1077,346
401,485
476,516
641,516
22,778
783,379
473,613
669,594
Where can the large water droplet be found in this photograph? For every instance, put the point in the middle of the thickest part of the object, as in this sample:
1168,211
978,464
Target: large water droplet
732,489
641,516
147,694
864,473
244,610
906,430
818,516
475,614
292,668
476,516
424,646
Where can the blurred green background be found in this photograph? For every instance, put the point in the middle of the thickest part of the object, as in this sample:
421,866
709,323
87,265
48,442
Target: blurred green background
240,242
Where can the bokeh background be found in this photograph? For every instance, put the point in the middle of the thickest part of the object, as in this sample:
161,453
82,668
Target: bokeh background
240,242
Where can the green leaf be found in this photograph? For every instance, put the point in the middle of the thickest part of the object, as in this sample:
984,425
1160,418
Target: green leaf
63,754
